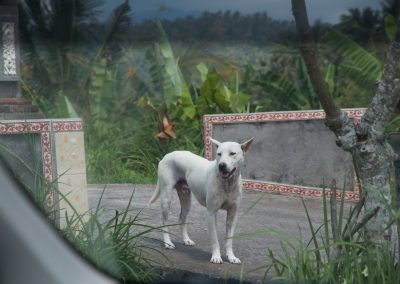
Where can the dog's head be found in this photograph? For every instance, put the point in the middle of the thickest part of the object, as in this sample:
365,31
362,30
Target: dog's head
230,156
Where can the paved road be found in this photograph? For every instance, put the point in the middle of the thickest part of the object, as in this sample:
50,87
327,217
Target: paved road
259,211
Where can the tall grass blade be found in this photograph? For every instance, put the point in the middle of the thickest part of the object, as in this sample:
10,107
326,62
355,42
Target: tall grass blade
333,203
341,212
313,236
326,227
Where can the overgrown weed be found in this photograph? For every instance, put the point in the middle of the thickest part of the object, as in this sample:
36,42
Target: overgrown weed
337,251
115,244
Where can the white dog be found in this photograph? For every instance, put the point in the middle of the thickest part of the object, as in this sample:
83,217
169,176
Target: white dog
215,184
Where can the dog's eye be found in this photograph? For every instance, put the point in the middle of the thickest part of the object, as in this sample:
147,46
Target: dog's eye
232,153
219,154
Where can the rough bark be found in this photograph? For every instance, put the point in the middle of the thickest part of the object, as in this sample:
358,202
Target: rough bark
386,96
373,156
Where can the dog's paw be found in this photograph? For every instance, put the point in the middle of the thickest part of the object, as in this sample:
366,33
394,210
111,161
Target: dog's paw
189,242
216,259
233,259
169,245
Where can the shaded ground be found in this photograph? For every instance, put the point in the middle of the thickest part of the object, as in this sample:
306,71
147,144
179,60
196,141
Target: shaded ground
259,211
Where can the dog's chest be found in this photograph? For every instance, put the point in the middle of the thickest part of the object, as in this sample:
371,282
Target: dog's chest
229,199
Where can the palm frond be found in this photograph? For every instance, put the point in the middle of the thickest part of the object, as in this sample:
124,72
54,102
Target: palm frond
364,63
286,95
356,74
119,18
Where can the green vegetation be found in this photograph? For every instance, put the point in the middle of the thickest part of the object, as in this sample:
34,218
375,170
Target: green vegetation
114,244
336,253
128,81
226,26
142,93
115,241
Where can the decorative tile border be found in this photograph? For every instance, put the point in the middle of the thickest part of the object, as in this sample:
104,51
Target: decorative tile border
44,127
40,125
15,127
295,189
210,120
67,126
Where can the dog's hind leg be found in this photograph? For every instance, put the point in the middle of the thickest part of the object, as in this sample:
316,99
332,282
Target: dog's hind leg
166,194
184,195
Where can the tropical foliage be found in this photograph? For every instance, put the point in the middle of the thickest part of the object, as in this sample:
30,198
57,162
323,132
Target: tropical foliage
142,91
337,251
127,87
114,244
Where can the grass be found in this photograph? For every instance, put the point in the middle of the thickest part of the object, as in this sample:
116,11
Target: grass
358,262
114,244
133,156
337,251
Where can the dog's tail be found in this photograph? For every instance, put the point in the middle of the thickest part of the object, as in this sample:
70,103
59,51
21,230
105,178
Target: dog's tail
155,196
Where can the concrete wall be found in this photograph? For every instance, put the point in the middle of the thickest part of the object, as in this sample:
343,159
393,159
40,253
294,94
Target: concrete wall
53,153
300,152
293,152
22,152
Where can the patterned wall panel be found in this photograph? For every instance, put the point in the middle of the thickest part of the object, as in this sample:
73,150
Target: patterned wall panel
62,158
293,152
9,44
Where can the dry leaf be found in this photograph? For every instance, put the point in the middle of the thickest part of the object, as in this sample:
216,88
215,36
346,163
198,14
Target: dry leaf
167,131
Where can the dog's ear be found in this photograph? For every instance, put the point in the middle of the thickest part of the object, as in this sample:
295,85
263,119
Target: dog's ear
217,143
246,145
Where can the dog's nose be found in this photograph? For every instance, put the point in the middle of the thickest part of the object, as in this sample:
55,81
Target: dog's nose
222,167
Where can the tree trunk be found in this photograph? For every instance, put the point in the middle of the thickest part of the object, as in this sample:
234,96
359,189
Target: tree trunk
373,156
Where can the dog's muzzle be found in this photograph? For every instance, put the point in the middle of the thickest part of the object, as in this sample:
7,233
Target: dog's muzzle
225,174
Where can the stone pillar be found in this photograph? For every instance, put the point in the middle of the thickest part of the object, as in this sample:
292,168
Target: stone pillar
12,105
50,153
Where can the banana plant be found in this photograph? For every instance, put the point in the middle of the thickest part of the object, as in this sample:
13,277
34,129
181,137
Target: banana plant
170,88
355,62
103,97
361,66
286,89
168,92
214,96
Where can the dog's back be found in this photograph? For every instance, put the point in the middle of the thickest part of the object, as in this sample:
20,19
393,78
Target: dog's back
181,166
182,161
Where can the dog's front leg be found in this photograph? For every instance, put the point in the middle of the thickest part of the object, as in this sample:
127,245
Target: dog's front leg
212,229
231,219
